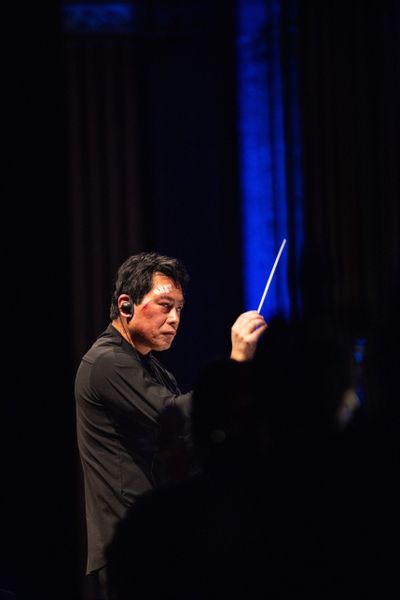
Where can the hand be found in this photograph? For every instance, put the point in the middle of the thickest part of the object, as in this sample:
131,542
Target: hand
245,333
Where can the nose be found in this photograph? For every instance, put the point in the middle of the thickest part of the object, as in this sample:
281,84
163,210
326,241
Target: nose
173,316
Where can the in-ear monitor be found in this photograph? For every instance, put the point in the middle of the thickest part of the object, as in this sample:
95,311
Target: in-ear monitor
127,307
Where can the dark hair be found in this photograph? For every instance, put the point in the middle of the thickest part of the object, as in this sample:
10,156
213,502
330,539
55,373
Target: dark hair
135,277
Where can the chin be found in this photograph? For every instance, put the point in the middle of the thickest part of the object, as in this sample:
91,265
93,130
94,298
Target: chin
162,346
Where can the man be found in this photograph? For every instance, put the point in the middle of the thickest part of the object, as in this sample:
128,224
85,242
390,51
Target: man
123,393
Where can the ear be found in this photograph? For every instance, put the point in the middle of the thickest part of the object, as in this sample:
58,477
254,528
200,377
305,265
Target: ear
125,306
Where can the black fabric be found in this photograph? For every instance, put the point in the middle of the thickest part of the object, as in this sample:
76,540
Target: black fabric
120,400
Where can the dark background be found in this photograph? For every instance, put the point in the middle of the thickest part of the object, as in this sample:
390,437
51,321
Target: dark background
128,143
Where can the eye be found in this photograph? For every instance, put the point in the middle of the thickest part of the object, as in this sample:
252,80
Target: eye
168,306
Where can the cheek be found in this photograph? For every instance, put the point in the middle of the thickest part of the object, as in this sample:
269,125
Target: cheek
151,318
148,312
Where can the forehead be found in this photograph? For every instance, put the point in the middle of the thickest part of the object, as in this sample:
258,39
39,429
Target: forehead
164,285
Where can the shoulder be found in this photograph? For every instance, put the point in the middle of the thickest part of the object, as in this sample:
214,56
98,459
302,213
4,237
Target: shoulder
110,351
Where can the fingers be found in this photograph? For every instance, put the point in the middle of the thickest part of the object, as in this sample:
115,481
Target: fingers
248,322
245,333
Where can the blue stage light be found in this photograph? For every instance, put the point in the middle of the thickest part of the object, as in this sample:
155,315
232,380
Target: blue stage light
263,155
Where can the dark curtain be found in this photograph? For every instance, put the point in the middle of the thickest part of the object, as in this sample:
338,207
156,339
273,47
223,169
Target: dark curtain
152,166
104,184
188,116
350,75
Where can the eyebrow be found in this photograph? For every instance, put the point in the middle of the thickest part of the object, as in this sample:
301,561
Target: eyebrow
170,298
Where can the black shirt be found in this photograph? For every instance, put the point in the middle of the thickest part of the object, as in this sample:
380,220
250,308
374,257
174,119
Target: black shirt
120,397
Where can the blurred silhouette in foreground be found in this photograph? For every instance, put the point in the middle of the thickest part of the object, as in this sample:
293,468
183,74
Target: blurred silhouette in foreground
281,507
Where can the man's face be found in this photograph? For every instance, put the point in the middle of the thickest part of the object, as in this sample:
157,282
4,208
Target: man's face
156,319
